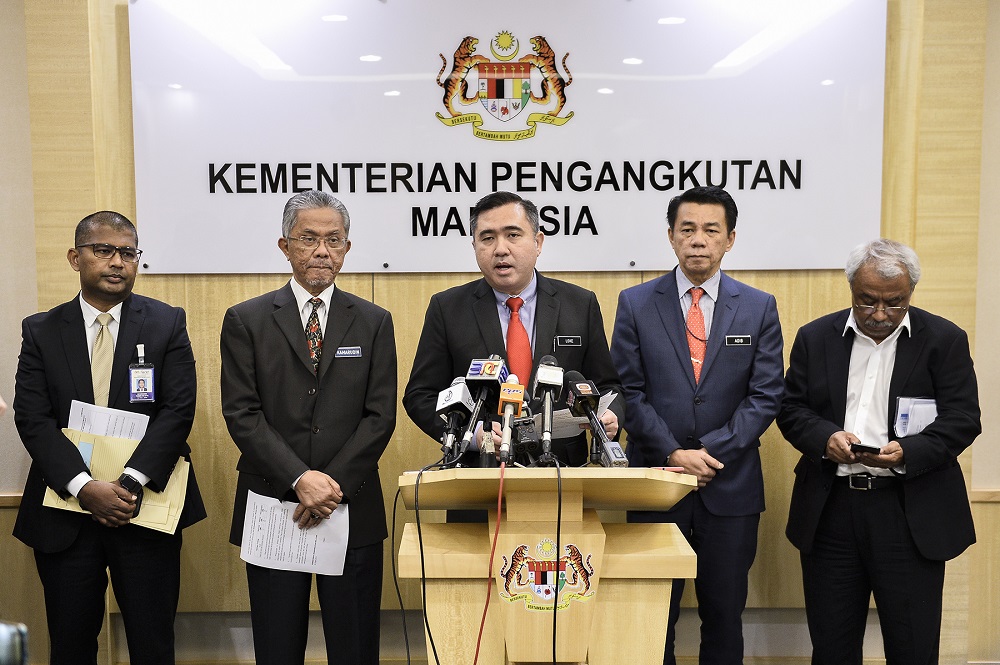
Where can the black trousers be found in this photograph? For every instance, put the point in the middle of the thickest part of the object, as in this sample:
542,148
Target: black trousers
863,547
145,575
726,547
350,606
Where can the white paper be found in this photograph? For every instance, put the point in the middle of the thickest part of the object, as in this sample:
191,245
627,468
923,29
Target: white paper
913,414
272,540
565,425
106,421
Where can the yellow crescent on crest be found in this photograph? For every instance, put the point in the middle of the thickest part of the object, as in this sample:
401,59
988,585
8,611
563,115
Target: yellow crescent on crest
515,47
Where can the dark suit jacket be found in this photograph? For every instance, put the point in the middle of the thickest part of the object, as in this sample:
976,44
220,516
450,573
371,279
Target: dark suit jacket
462,324
727,411
54,369
287,420
932,361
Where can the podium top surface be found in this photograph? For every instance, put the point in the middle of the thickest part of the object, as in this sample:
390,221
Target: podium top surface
601,488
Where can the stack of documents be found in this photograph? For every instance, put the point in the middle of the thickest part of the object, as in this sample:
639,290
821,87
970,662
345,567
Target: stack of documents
913,414
97,433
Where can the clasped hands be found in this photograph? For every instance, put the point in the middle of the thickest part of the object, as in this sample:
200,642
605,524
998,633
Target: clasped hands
696,462
319,495
108,502
838,449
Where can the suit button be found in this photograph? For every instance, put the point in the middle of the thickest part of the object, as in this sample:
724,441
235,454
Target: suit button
312,391
697,400
690,439
315,430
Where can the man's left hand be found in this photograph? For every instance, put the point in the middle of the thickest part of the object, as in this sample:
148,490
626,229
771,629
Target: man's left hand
890,457
610,422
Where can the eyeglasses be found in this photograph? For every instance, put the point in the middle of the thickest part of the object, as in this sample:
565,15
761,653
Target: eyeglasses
104,251
868,310
312,242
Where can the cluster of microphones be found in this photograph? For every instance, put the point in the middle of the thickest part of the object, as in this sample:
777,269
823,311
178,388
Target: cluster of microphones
523,441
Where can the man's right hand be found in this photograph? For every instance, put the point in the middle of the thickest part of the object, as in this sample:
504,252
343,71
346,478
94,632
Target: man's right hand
698,463
838,448
110,504
319,495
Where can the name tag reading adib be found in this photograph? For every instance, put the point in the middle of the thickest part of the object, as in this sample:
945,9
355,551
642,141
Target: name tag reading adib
737,340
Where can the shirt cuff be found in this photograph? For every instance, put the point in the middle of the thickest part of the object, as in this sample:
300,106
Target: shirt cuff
74,486
138,475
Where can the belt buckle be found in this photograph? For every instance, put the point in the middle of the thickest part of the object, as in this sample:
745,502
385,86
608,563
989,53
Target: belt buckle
867,484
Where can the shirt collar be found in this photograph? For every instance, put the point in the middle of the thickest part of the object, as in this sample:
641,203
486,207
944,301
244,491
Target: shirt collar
903,325
710,285
302,297
526,294
90,313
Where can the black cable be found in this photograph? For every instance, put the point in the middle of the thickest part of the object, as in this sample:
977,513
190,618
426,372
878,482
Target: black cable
395,577
555,603
423,570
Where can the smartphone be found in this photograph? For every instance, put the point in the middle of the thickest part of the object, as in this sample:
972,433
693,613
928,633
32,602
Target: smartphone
865,448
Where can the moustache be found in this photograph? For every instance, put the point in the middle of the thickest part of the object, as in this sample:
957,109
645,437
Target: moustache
878,325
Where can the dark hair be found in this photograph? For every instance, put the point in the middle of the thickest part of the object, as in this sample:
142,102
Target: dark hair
498,200
705,195
107,218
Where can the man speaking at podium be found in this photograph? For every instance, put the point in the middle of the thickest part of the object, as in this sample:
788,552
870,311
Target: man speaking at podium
514,312
699,355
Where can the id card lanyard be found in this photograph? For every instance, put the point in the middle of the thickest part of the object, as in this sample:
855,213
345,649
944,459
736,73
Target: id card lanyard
140,378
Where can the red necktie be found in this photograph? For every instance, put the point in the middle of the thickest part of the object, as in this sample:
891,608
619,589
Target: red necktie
314,335
696,332
518,344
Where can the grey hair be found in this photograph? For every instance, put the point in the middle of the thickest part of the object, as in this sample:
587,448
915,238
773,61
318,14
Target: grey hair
311,200
888,257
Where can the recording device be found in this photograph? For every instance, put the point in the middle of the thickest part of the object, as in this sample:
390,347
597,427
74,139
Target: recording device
454,405
547,387
525,445
509,406
582,397
859,447
485,375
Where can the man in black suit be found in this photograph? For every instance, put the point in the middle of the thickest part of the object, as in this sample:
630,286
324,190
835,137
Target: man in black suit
72,550
474,320
882,522
309,396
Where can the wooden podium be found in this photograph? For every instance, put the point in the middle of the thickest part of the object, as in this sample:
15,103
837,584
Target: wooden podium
611,581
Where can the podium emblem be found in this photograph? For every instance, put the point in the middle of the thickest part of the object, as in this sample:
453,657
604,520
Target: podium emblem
540,582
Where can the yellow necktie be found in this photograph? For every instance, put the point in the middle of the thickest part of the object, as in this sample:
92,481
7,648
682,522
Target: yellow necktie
101,361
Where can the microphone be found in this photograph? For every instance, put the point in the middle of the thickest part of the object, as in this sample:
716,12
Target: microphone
548,387
454,405
582,397
485,375
509,406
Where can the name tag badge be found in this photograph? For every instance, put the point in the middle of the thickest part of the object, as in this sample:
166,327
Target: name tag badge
568,340
738,340
348,352
140,383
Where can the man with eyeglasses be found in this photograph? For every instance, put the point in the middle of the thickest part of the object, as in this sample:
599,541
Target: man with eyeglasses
309,396
884,521
86,350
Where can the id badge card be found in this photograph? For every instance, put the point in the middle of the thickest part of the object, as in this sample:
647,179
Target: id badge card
140,380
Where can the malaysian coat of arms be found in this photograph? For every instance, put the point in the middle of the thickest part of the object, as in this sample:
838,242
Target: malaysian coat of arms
506,98
539,581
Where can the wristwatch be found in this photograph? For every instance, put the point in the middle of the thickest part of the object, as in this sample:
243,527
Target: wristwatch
135,487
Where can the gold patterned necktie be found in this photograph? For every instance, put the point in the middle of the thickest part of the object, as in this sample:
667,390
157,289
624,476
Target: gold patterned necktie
101,360
696,332
314,335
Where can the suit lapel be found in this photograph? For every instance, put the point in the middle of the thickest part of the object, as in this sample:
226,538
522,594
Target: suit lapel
133,317
908,349
722,320
289,322
838,364
669,308
338,320
485,310
74,338
546,317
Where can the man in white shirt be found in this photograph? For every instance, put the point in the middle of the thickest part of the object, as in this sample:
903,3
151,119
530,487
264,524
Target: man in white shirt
881,522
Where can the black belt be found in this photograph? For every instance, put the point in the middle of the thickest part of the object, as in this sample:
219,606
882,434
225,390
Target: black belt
866,481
